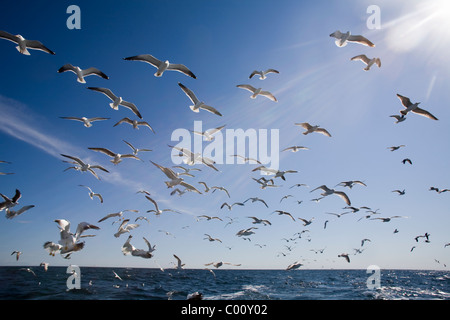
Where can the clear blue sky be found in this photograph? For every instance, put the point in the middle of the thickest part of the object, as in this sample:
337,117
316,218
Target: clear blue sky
222,42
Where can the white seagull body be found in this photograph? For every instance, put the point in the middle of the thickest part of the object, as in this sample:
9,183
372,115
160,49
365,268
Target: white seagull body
413,107
343,38
128,248
81,166
93,194
161,65
82,73
367,61
197,103
134,123
24,44
117,101
124,227
179,264
257,91
136,150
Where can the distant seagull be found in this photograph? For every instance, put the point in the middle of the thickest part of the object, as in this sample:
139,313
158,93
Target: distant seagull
221,263
328,191
116,276
191,158
388,218
14,213
246,159
174,178
162,65
208,217
179,264
84,166
6,173
257,91
337,214
400,118
280,212
158,211
298,185
246,232
254,199
86,121
211,238
29,270
117,157
135,150
394,148
17,253
367,61
9,203
325,224
265,183
363,241
24,44
259,221
197,103
262,73
400,192
404,161
207,189
343,38
412,249
45,265
134,123
396,231
222,189
231,206
128,248
294,266
276,173
208,135
93,194
438,190
295,148
286,196
306,222
117,101
125,227
309,129
345,255
116,214
413,107
82,73
351,183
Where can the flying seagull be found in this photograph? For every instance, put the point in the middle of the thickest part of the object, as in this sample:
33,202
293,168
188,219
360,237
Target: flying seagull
197,103
351,183
404,161
246,159
116,214
257,91
161,65
135,150
388,218
24,44
276,173
413,107
179,264
81,73
259,221
117,101
128,248
394,148
328,191
345,255
93,194
211,238
9,203
262,73
309,129
83,167
208,135
70,241
400,118
174,179
254,199
117,157
367,61
295,148
231,206
14,213
17,253
86,121
125,227
221,263
280,212
400,192
306,222
343,38
134,123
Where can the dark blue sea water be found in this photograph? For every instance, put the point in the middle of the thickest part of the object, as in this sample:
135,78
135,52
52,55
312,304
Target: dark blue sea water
154,284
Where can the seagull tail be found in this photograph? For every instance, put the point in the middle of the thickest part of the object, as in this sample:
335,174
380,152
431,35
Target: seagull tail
194,109
25,51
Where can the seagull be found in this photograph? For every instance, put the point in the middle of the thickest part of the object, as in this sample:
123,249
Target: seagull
222,189
9,203
117,157
259,221
116,214
257,199
175,179
92,194
29,270
193,158
363,241
208,135
350,184
280,212
404,161
52,247
246,232
135,150
345,255
117,276
265,183
325,224
134,123
277,173
309,129
413,107
296,148
367,61
82,73
161,65
400,118
86,121
438,190
387,219
124,227
286,196
17,253
328,191
221,263
337,214
211,238
69,240
117,101
83,167
45,265
208,217
197,103
24,44
246,159
14,213
157,211
179,264
294,266
128,248
257,92
298,185
262,73
343,38
394,148
230,206
400,192
306,222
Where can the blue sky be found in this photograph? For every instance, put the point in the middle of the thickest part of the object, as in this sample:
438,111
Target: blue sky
222,42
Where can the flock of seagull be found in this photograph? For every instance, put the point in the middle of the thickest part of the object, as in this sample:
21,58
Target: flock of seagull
70,242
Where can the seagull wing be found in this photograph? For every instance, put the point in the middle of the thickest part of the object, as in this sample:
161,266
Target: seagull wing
37,45
94,71
104,150
268,95
116,214
167,171
67,67
181,68
146,58
361,57
132,107
126,119
255,72
343,196
424,113
406,102
304,125
154,202
189,93
323,131
190,187
81,163
105,91
9,36
360,39
211,109
247,87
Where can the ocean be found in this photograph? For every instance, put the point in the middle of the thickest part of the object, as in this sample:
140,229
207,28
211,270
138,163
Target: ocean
100,283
